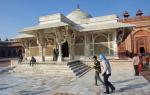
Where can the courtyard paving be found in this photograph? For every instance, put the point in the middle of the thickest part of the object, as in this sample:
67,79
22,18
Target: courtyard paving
122,77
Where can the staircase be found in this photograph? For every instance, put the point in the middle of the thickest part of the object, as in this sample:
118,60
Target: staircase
73,69
78,67
48,69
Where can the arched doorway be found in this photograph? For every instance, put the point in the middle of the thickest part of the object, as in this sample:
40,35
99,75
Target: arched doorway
101,45
141,44
141,41
19,52
79,45
65,49
142,50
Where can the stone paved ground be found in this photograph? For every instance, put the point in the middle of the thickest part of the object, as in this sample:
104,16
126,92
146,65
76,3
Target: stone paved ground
146,74
14,84
122,77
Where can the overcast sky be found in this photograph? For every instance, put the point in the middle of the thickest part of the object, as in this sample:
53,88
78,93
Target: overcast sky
18,14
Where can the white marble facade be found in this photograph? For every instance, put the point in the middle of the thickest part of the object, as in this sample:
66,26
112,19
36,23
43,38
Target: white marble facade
85,35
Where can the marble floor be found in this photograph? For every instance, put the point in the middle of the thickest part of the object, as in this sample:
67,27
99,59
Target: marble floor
122,78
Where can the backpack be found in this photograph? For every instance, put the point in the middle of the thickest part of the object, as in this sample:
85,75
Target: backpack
97,66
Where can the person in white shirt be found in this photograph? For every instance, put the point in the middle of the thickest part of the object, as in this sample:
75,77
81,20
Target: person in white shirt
106,72
136,61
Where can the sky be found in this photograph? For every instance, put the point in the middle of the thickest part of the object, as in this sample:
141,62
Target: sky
18,14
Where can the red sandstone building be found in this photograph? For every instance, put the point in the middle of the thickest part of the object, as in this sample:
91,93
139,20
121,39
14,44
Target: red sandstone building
138,40
10,49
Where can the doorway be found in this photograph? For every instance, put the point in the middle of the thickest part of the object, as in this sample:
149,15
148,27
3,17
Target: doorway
65,49
141,45
142,50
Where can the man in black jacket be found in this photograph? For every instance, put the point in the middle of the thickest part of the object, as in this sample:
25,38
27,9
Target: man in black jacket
97,68
32,61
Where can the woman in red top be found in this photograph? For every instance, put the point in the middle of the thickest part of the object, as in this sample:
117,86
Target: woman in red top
140,63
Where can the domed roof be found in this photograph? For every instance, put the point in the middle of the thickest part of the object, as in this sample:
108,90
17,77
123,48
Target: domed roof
78,14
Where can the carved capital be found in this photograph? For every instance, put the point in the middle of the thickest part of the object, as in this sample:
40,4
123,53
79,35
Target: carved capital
25,43
41,39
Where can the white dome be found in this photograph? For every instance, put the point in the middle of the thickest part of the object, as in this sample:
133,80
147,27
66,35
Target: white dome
77,15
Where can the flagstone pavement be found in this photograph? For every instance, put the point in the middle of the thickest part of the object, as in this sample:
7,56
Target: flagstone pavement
122,77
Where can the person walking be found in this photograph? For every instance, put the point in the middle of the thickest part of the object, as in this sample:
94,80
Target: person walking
20,59
135,64
140,64
97,68
32,61
106,72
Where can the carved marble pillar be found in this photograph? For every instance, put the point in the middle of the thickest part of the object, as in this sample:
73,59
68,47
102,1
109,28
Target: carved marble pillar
62,35
41,44
115,45
71,42
60,53
41,53
25,43
58,40
73,49
109,50
87,45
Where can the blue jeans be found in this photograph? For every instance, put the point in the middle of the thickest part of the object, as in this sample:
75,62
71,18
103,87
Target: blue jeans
107,83
97,77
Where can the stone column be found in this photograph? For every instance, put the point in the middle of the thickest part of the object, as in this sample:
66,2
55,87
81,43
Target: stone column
72,51
86,50
41,43
115,45
25,43
70,48
109,43
25,53
72,45
41,53
60,53
93,44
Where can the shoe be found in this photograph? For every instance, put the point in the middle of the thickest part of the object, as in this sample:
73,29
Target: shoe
96,84
112,90
106,92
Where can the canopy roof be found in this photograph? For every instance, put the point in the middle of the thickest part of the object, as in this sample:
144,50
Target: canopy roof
103,26
44,26
20,36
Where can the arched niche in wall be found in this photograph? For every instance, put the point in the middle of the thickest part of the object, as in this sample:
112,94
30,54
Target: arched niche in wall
101,44
79,45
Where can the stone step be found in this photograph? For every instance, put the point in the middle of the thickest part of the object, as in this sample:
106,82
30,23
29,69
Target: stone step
76,66
87,70
41,70
81,71
48,73
79,68
73,62
49,69
44,66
